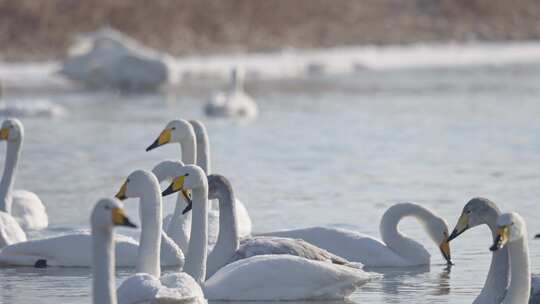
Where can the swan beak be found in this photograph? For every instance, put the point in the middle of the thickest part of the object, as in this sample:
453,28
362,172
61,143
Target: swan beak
4,133
501,239
187,196
163,138
445,250
120,219
176,185
462,226
121,195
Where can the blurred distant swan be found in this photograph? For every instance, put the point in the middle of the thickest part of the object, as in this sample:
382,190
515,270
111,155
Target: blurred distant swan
233,103
24,206
263,277
148,285
479,211
512,233
195,147
395,250
107,214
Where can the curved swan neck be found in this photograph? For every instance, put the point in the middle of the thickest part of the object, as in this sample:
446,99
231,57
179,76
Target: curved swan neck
148,260
103,285
203,146
395,240
8,178
520,274
177,229
196,257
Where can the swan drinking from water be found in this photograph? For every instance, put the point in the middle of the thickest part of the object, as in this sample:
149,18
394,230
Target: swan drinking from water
480,211
107,214
512,233
395,249
264,277
194,143
24,206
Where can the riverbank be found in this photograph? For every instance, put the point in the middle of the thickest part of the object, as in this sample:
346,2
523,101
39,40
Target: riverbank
43,30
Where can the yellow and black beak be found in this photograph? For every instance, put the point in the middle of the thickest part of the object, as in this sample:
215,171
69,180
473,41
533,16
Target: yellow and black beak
178,185
462,226
501,239
120,219
4,133
121,195
445,250
163,138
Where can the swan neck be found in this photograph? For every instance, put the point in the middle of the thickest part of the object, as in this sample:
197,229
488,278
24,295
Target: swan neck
228,230
148,260
189,147
196,257
103,284
203,152
520,276
8,178
177,229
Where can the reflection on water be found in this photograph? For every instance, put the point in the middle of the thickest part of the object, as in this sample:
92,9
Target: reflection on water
335,152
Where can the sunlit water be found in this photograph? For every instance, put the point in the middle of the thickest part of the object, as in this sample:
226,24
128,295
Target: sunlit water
331,151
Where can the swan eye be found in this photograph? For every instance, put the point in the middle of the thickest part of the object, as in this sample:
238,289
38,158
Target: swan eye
468,212
173,128
107,208
187,174
127,180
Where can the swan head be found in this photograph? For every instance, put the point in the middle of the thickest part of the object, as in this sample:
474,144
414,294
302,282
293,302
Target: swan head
136,184
510,228
108,213
166,170
476,212
216,184
12,130
187,177
176,131
199,129
438,231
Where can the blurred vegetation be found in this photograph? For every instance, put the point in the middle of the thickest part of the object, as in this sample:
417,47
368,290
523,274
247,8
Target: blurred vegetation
43,29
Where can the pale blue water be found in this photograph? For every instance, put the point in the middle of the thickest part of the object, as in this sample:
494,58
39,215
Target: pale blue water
333,151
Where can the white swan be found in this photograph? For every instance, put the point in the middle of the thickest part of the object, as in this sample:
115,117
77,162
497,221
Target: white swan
512,232
74,250
194,143
264,277
235,102
395,250
229,248
106,214
148,285
480,211
24,206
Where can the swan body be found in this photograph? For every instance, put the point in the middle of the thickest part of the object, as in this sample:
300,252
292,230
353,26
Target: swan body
147,285
10,231
263,277
512,233
481,211
234,103
194,143
228,249
24,206
106,214
395,249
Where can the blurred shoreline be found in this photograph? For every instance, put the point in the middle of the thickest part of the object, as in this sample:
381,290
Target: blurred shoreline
44,30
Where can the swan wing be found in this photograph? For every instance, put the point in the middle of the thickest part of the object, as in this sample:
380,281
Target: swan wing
243,220
283,277
29,211
10,230
351,245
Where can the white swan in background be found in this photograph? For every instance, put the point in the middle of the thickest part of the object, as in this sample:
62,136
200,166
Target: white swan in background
107,214
395,250
74,250
24,206
195,149
147,285
235,102
480,211
264,277
512,233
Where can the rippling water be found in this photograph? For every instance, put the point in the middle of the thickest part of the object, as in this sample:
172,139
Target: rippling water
332,151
